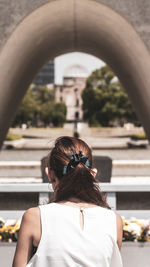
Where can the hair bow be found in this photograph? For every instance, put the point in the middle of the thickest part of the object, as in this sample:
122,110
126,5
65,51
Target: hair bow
74,160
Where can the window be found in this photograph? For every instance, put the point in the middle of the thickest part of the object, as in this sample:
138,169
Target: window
76,115
77,102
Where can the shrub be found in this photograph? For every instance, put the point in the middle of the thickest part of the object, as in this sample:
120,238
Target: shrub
12,137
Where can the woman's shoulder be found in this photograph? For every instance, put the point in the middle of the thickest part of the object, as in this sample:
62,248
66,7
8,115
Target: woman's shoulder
31,216
117,218
114,213
30,221
34,212
29,213
114,217
108,211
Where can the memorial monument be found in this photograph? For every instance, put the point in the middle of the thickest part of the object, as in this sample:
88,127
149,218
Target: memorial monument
34,32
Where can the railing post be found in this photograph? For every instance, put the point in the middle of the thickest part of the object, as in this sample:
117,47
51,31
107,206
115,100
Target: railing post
111,199
43,198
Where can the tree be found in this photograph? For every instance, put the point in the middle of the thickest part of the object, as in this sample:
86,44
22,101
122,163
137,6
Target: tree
26,109
44,98
38,106
105,100
46,112
44,94
49,111
59,114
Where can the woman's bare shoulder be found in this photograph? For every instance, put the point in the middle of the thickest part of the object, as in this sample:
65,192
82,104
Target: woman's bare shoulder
31,215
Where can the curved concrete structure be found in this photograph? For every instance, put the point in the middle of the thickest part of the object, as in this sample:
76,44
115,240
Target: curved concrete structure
63,26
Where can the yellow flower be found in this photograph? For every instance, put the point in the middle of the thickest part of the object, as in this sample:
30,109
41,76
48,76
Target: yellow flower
125,228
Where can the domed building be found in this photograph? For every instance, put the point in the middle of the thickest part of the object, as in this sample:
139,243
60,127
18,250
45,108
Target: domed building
70,91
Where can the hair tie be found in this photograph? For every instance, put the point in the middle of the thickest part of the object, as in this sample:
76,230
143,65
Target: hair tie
74,161
84,160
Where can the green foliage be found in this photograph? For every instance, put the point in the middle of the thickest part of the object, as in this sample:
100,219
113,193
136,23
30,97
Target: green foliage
141,136
12,137
59,114
26,110
44,94
46,111
39,107
105,101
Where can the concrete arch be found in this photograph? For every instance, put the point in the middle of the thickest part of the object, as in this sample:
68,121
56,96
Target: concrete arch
62,26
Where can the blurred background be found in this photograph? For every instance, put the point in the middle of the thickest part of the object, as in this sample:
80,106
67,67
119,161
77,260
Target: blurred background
88,79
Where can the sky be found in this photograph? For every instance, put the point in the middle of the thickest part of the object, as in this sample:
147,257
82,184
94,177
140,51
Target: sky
90,62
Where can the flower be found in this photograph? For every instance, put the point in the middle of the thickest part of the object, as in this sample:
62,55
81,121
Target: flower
133,230
9,230
136,230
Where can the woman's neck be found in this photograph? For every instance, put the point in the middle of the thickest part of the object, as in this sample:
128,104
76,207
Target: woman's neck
73,201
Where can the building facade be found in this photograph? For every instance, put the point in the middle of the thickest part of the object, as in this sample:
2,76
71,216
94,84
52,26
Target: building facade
46,75
33,32
70,92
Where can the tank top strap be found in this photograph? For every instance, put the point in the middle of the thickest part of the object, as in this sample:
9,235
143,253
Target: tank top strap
43,218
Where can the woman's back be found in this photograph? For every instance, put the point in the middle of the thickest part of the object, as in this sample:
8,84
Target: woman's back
71,237
64,242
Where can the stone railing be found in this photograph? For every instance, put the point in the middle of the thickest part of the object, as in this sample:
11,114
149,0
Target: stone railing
112,192
133,253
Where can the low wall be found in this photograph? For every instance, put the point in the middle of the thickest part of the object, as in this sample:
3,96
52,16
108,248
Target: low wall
133,254
120,197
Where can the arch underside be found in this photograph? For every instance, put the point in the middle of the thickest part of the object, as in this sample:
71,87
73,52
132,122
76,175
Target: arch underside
63,26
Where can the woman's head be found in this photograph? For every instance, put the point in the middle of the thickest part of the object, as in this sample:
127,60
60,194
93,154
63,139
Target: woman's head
64,148
70,167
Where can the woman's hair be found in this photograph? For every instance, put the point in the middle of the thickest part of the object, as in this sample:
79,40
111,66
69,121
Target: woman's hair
71,161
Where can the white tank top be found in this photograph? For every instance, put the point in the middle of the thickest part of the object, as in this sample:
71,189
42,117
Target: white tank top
65,244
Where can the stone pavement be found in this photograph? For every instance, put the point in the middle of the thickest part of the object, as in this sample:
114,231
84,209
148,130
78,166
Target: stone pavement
46,143
93,142
97,138
22,164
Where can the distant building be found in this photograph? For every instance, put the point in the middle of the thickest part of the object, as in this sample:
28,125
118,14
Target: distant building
70,91
46,75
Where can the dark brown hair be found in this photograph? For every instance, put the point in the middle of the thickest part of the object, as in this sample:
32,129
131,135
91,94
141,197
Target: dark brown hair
79,181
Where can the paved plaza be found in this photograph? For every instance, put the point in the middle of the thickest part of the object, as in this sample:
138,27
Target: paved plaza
22,163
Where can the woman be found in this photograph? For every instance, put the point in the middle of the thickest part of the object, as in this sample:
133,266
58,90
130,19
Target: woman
77,228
